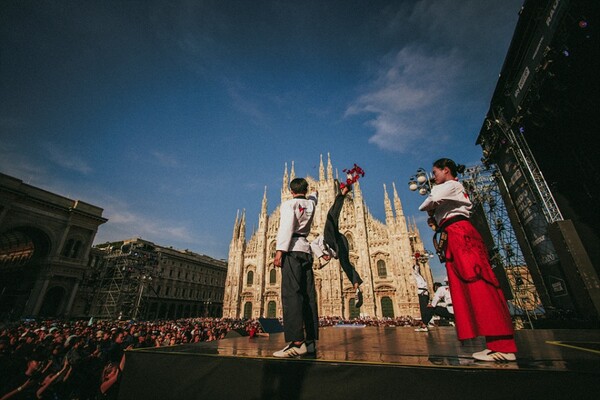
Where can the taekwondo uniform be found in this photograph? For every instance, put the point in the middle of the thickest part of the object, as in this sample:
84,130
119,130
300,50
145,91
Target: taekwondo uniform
298,294
334,244
423,294
442,303
479,304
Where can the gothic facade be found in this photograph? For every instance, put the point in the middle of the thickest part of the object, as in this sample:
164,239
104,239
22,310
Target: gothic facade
382,253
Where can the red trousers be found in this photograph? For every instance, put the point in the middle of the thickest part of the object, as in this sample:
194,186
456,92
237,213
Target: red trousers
479,305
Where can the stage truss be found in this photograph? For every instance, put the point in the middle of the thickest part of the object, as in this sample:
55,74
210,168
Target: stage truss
482,184
127,274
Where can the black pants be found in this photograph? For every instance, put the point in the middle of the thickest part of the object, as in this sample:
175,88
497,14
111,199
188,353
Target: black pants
443,313
298,297
426,312
338,242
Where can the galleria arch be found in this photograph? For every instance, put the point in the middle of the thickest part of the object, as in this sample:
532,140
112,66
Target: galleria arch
45,240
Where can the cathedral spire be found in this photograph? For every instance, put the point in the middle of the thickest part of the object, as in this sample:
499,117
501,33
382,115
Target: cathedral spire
286,181
292,173
389,214
262,218
400,219
357,191
236,226
263,210
414,227
321,169
242,236
329,168
397,203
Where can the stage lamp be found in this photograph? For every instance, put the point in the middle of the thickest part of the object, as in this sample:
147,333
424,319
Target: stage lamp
582,24
420,182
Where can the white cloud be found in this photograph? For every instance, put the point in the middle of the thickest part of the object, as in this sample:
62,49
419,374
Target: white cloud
166,160
67,160
242,102
21,167
407,99
123,223
447,58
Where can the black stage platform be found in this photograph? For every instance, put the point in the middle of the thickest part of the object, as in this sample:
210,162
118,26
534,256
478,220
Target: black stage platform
369,363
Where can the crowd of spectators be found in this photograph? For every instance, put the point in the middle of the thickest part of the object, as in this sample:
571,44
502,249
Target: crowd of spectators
57,359
368,321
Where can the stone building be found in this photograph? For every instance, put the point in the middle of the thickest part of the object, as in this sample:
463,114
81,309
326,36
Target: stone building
48,267
45,241
382,252
138,279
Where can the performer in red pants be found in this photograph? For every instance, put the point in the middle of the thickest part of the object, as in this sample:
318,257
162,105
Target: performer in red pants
480,308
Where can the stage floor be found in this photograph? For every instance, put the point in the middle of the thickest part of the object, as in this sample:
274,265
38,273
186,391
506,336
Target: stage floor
355,362
560,350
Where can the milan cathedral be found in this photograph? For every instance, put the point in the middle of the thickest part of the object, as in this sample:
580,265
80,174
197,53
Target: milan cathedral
382,253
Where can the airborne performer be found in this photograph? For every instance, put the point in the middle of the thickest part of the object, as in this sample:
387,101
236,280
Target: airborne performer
480,308
333,244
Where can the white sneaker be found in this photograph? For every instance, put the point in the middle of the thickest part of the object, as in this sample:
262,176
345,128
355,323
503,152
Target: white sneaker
311,346
359,298
291,350
452,323
490,355
430,325
422,329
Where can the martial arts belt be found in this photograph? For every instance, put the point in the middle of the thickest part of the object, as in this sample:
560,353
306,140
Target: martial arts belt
440,237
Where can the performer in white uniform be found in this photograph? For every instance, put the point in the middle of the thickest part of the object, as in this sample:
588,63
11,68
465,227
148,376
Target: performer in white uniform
293,256
441,302
423,294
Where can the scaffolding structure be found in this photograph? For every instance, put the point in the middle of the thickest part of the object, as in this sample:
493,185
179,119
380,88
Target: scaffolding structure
527,162
482,183
126,275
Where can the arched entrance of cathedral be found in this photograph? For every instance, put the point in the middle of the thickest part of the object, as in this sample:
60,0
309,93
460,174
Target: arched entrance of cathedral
54,302
353,311
248,310
271,309
387,307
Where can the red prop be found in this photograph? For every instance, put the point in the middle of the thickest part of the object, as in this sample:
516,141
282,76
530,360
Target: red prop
353,175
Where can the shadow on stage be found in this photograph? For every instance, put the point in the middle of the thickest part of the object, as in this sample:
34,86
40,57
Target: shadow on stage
369,363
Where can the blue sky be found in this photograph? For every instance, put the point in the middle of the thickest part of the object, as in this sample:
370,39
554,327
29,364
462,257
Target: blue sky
173,115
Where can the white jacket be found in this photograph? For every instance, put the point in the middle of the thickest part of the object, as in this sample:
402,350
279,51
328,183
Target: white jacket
296,217
443,298
448,200
320,248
